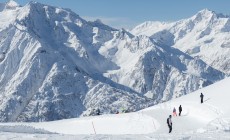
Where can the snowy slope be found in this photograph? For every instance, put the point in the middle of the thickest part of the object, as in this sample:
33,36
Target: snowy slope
55,65
204,35
198,121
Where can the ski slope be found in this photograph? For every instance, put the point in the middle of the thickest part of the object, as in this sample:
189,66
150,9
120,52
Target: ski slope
210,119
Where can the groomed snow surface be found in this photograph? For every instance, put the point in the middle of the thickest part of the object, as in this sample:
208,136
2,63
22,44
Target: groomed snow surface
210,120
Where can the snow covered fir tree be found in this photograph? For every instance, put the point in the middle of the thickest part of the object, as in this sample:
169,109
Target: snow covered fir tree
55,65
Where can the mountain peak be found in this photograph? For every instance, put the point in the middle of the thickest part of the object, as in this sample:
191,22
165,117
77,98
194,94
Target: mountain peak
209,13
11,4
206,11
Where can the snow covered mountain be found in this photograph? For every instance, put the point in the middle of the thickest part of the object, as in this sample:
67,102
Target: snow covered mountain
205,35
159,72
56,65
50,68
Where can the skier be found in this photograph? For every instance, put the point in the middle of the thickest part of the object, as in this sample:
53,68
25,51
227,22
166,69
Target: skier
98,112
174,112
169,122
201,97
180,110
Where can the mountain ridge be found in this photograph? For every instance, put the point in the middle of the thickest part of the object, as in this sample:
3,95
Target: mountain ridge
204,31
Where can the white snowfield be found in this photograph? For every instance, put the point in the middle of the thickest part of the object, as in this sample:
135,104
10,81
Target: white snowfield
210,120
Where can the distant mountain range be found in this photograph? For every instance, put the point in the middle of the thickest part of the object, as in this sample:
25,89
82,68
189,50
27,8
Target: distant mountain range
205,35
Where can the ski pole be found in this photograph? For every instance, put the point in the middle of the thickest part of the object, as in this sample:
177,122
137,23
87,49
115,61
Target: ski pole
154,124
94,129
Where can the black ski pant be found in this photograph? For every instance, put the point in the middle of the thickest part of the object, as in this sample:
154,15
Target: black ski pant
179,113
170,128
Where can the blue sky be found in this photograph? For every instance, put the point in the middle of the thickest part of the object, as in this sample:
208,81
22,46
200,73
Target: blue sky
128,13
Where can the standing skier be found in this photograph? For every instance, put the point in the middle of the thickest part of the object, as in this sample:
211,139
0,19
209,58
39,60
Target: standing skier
174,112
180,110
169,122
98,112
201,97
